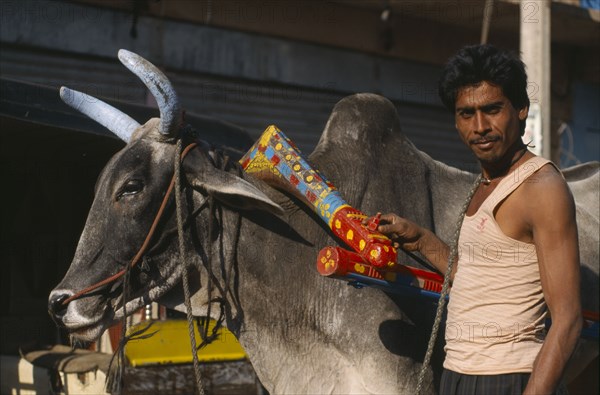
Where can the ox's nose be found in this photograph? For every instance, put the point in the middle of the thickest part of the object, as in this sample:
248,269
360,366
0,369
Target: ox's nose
56,308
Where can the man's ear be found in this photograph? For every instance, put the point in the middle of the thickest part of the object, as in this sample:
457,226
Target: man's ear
523,113
227,188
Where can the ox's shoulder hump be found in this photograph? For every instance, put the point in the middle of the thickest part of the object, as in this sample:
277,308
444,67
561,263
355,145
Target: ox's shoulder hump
362,121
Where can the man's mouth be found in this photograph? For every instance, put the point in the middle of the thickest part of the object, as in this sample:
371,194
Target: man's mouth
485,143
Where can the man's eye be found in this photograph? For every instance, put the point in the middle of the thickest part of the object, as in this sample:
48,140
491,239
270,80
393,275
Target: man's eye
465,114
131,187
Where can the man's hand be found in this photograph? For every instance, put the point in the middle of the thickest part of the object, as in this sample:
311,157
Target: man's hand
403,233
411,237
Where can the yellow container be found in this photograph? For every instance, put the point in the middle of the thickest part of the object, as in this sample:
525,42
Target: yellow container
171,344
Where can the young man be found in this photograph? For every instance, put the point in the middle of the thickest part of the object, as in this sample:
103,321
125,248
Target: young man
519,256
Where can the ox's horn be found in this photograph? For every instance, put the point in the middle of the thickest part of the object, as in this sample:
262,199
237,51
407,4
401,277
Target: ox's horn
160,87
106,115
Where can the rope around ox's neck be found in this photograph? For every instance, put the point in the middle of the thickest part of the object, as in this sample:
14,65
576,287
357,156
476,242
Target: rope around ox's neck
185,277
203,326
445,287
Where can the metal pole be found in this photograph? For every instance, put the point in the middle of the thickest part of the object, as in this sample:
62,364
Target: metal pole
488,9
535,53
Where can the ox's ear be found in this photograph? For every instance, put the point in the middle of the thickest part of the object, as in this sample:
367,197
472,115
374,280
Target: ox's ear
235,192
229,189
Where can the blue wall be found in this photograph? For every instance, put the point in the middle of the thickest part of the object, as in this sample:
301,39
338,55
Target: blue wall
585,126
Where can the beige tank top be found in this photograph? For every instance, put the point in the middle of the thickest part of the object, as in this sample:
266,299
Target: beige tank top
496,312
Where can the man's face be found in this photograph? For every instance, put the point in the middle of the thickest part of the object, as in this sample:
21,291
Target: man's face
487,121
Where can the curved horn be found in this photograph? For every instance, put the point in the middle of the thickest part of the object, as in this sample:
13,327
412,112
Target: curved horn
160,87
106,115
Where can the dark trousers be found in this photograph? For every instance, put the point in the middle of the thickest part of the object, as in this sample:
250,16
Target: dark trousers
465,384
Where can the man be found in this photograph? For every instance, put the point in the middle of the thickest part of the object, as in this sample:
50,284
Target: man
519,255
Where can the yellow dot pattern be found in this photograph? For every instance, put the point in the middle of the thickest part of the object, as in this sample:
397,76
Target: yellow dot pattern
359,268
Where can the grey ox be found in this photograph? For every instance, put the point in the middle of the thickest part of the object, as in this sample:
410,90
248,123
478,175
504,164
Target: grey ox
303,333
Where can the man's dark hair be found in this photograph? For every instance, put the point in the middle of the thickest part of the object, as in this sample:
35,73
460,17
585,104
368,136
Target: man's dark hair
477,63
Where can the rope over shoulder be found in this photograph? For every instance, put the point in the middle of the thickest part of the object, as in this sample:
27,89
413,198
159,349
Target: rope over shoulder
445,287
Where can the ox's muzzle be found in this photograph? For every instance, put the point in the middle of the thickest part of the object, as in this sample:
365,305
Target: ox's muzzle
56,306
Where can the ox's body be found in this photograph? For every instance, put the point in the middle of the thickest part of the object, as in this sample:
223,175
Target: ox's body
308,334
303,333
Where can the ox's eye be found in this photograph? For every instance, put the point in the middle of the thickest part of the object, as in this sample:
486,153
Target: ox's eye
131,187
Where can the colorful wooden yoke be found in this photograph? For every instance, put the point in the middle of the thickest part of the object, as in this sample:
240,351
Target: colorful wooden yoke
340,263
372,262
275,159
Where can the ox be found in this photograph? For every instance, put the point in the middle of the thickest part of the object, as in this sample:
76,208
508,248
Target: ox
303,333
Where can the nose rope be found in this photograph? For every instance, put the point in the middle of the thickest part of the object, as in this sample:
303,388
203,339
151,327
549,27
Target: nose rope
145,244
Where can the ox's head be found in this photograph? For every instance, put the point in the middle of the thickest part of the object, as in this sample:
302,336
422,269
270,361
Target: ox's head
128,195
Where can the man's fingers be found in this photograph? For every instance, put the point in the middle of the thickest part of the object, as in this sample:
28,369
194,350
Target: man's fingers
394,230
389,218
385,229
392,225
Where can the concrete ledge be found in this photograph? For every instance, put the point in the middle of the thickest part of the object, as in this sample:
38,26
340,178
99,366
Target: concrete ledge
18,376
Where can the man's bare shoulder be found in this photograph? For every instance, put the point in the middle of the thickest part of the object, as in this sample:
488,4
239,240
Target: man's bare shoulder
546,178
548,193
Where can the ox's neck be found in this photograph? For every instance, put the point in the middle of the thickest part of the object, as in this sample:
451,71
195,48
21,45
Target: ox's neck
298,325
295,325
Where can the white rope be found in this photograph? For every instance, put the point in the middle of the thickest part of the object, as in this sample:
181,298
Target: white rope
444,293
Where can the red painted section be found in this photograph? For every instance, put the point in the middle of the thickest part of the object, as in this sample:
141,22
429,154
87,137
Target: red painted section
339,262
373,246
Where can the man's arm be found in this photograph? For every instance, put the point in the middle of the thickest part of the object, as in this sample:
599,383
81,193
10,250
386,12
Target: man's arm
550,211
412,237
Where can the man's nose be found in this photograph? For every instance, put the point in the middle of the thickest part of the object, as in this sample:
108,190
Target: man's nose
482,124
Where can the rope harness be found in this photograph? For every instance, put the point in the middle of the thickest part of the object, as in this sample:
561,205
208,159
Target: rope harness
186,286
115,383
136,259
444,293
203,324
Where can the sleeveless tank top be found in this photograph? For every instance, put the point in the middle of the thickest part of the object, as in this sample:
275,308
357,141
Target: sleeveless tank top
496,312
